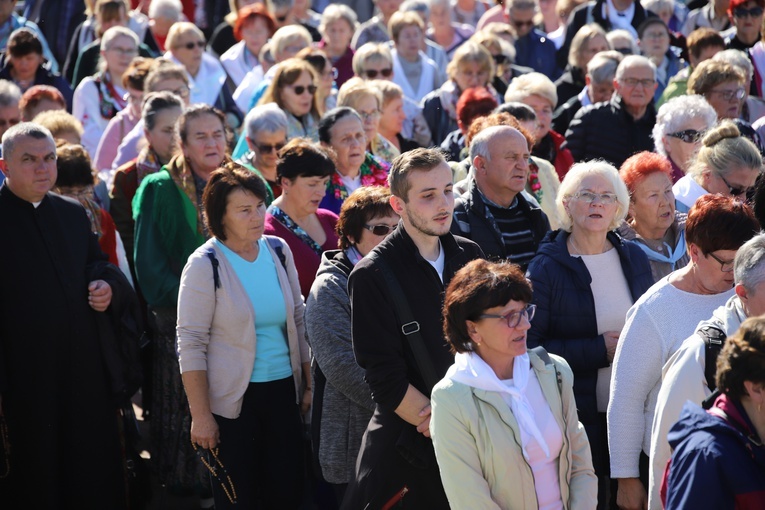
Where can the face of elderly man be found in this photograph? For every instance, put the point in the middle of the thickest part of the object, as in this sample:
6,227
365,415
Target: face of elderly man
522,18
505,173
30,169
636,87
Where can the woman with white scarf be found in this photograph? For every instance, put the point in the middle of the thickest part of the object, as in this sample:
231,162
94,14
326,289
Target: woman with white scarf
504,421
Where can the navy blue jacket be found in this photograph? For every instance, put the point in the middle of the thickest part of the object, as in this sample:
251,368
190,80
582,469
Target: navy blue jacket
714,463
565,322
537,51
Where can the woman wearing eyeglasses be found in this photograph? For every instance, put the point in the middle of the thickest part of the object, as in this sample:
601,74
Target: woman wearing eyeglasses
504,421
266,134
471,66
367,101
680,125
97,99
342,131
303,170
657,325
722,85
342,403
293,89
727,163
585,277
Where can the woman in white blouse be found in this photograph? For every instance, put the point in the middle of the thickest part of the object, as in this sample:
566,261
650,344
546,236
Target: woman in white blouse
253,27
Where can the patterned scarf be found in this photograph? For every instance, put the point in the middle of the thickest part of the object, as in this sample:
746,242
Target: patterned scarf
293,227
180,171
374,172
85,196
147,163
110,101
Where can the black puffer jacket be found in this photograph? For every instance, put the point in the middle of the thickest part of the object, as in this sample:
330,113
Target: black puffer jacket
607,131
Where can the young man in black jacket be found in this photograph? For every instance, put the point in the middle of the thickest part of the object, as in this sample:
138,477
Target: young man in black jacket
396,461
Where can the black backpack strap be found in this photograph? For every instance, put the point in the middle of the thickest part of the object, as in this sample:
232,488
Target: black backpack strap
276,245
714,338
544,356
210,252
410,328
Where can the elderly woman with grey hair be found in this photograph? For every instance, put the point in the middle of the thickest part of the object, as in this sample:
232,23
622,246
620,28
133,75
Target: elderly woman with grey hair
680,125
447,33
585,277
599,87
266,133
588,42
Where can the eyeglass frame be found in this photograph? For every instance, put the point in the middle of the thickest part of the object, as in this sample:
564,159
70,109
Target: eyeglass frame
303,89
388,229
734,189
742,12
727,95
365,116
611,199
682,135
529,311
722,263
265,148
192,44
385,73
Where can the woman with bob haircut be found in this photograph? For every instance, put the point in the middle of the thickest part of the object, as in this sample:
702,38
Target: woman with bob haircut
585,277
588,42
252,29
293,89
338,23
681,123
504,421
658,324
342,404
242,347
368,103
471,66
303,171
718,453
727,164
652,221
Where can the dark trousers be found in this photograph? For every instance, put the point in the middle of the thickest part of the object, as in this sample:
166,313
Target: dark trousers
262,449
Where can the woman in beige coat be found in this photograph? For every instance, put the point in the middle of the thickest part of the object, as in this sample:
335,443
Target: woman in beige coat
504,422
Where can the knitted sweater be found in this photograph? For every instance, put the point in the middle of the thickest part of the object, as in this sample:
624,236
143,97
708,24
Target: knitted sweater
657,324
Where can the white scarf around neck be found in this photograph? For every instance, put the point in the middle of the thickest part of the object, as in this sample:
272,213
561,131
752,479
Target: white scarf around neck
470,369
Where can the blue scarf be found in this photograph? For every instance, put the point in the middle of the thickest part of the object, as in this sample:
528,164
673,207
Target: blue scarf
674,255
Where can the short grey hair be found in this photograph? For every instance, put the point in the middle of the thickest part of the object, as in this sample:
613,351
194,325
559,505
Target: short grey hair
31,129
655,6
632,61
268,117
418,6
749,264
168,9
115,32
573,180
737,59
521,5
602,67
479,145
337,12
678,112
10,94
621,34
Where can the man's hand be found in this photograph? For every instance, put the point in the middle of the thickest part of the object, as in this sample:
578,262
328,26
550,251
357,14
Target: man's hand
631,494
99,295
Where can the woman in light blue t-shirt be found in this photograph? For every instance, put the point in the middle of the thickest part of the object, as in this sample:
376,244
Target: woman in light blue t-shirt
242,348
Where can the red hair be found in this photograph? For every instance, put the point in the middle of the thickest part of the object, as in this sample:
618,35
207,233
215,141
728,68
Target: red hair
473,103
35,95
738,3
716,222
641,165
249,14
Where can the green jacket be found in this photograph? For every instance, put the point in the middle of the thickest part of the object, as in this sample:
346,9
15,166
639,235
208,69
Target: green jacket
166,234
477,442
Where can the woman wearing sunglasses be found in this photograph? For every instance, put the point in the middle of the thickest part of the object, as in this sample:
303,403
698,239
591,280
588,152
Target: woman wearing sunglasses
504,421
293,89
342,403
727,163
472,66
680,125
585,277
266,134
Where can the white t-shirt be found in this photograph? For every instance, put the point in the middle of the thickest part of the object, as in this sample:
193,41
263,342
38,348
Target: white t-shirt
438,264
351,183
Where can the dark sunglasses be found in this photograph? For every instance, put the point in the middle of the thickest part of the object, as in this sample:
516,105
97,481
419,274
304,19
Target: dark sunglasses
521,24
624,51
499,59
380,230
742,12
385,73
192,45
688,135
736,191
265,148
300,89
281,19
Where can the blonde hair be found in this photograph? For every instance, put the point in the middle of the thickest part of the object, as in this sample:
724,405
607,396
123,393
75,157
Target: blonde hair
400,20
724,149
178,30
371,52
471,51
337,12
531,84
356,90
59,122
582,39
288,35
710,73
573,180
388,89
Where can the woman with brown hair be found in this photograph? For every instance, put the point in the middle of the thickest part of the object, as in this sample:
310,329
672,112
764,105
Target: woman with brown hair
293,89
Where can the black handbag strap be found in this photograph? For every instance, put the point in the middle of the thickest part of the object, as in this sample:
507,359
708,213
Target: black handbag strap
410,328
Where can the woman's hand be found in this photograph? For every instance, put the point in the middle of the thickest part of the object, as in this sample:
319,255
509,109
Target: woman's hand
424,427
204,431
612,340
305,404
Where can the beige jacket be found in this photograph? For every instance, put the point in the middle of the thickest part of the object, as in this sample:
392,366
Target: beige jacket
477,443
216,327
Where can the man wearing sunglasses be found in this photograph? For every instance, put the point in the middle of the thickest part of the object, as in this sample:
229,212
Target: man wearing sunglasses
746,18
533,48
396,462
494,212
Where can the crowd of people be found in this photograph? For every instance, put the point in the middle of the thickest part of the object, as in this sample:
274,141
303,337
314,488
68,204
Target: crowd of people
376,254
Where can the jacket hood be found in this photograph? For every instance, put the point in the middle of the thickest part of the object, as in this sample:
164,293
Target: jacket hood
334,262
729,316
694,419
